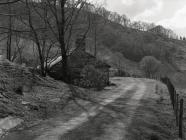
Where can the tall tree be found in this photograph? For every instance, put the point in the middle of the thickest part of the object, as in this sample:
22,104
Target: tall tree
34,20
66,15
7,28
9,39
9,2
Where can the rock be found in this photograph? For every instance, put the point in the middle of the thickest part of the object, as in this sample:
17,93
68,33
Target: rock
55,100
25,103
108,88
34,107
9,122
31,106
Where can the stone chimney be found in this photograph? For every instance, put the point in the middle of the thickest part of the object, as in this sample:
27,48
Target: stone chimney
80,43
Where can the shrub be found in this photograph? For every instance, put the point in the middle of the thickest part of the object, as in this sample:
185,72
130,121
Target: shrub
150,66
92,77
122,73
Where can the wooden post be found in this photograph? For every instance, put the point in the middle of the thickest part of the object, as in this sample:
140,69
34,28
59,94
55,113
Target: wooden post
177,109
181,119
174,98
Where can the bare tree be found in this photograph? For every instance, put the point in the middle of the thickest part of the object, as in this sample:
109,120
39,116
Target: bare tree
99,17
9,40
9,2
17,51
47,23
8,17
64,15
26,27
150,66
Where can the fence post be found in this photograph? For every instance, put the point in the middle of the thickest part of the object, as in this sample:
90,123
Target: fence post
177,109
181,119
175,96
172,97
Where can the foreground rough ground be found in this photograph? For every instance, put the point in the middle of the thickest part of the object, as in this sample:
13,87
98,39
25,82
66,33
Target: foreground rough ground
26,95
134,109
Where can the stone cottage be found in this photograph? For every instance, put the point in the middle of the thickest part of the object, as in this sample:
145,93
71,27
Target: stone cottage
77,60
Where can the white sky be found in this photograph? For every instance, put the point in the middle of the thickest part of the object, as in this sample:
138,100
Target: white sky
169,13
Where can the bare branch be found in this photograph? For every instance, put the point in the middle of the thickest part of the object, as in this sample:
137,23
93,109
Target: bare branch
10,2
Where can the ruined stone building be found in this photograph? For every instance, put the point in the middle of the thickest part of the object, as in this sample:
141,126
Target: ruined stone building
77,60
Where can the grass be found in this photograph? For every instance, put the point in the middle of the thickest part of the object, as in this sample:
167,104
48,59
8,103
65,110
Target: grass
182,94
154,118
18,84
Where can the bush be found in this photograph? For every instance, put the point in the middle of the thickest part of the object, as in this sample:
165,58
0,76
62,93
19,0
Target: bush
121,73
150,66
91,77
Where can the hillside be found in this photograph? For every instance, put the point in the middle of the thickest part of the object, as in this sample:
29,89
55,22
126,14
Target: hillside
135,44
116,44
25,94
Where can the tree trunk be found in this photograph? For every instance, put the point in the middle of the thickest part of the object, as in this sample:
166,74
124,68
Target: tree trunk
43,71
65,75
9,41
95,39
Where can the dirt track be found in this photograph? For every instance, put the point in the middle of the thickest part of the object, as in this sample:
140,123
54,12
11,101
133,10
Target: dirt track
133,93
109,119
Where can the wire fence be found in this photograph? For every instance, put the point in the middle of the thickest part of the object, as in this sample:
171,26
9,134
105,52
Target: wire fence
177,103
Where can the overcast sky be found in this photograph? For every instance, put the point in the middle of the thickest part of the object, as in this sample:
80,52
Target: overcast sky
169,13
